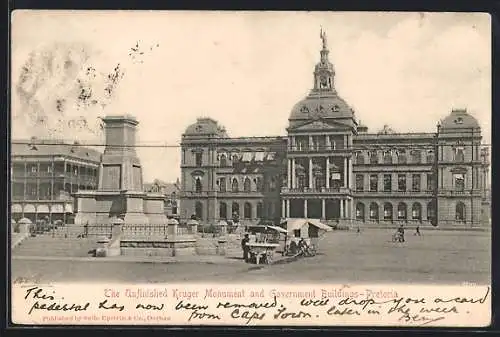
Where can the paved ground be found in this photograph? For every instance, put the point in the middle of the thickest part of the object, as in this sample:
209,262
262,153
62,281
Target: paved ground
435,257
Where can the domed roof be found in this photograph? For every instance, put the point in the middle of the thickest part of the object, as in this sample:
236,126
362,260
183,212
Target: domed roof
323,102
459,119
321,105
204,127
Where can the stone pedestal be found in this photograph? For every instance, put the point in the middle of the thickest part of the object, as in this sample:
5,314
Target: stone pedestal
114,248
221,246
154,208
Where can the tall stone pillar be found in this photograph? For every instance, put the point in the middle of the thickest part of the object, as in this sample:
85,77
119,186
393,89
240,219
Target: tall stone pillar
341,208
294,178
310,173
287,208
323,209
345,172
289,173
305,208
327,172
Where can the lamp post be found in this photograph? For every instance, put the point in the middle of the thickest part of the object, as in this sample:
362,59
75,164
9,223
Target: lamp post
434,220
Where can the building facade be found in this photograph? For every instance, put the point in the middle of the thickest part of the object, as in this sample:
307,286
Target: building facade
45,173
171,191
331,167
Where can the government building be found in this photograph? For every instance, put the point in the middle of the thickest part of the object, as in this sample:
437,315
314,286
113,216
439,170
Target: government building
330,167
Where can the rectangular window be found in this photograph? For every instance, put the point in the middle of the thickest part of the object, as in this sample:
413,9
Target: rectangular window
401,157
415,182
387,183
402,182
373,183
360,182
198,159
222,184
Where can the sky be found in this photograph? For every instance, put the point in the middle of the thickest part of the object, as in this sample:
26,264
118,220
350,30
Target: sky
244,69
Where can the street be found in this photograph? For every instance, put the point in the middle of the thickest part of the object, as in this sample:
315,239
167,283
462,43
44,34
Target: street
435,257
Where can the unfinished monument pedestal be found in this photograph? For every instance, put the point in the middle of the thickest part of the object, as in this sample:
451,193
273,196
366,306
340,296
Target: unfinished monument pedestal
120,195
120,190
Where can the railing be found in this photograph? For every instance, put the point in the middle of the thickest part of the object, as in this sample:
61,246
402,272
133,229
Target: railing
96,230
149,230
318,148
340,190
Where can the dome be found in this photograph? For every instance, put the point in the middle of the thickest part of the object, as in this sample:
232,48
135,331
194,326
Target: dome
204,127
321,105
459,119
323,102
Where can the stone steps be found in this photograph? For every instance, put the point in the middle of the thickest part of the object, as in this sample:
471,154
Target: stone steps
44,245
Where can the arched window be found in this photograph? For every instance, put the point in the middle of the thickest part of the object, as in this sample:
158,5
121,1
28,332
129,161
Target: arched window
360,211
459,182
401,156
416,211
387,157
235,209
460,211
198,210
234,185
258,184
247,185
247,211
360,158
430,156
259,210
387,211
416,156
198,186
401,211
431,210
373,211
223,160
223,210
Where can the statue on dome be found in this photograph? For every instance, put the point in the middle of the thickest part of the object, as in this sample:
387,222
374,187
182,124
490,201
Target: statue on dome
323,37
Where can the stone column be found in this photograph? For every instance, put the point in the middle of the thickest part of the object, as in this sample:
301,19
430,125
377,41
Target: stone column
289,173
351,185
305,208
327,142
345,141
345,172
287,208
310,142
283,208
310,173
323,209
353,213
293,174
341,208
327,172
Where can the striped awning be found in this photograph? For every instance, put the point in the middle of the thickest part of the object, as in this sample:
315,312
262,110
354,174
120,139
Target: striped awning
271,156
16,208
42,209
68,208
259,156
57,208
247,157
29,208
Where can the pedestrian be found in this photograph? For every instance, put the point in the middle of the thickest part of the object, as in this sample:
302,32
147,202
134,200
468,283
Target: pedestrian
402,233
417,230
358,230
245,248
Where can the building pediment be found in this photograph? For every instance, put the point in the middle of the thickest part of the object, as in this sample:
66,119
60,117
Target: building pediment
320,125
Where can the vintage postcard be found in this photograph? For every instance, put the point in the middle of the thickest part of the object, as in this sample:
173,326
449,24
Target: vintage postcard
251,168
